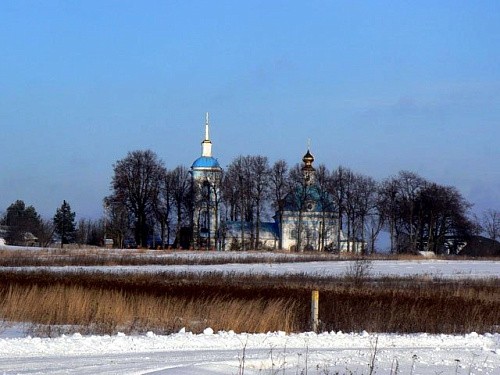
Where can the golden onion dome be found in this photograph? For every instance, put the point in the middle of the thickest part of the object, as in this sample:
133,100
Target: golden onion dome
308,158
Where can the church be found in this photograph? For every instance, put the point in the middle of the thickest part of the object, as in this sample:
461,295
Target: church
304,223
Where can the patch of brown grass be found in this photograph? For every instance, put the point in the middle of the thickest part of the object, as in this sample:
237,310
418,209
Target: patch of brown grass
137,257
110,311
411,309
165,302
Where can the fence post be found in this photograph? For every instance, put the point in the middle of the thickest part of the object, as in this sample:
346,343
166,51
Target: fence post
314,310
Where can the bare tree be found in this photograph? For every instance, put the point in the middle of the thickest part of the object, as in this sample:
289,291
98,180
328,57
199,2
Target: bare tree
388,208
343,190
491,223
181,197
117,220
399,194
325,200
82,231
298,199
90,232
354,224
163,206
238,186
337,190
365,202
259,175
46,232
280,186
136,184
442,220
376,219
409,185
230,193
423,215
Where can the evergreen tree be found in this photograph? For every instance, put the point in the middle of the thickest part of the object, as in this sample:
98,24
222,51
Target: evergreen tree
64,223
21,220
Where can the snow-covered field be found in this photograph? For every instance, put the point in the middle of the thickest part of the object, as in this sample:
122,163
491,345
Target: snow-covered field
271,353
454,269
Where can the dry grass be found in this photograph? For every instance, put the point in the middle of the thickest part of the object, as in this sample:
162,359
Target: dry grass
105,257
102,257
410,309
165,302
87,310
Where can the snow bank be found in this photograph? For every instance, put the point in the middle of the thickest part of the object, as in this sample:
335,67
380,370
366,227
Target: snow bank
227,352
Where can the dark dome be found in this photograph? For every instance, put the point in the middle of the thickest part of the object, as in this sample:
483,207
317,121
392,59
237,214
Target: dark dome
308,158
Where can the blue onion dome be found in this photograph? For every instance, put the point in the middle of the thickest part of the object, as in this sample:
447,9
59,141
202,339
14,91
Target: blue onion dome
206,162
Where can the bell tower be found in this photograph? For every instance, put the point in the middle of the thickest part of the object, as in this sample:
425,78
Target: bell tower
206,176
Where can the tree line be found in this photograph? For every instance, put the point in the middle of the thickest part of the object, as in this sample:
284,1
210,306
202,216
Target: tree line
151,205
418,214
22,225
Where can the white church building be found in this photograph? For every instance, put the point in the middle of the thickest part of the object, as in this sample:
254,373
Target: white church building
305,223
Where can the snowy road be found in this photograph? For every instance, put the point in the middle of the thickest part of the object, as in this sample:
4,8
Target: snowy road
227,353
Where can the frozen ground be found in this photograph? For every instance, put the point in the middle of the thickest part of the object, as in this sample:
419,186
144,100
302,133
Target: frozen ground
454,269
272,353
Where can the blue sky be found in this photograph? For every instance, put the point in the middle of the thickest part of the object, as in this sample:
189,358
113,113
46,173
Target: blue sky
378,86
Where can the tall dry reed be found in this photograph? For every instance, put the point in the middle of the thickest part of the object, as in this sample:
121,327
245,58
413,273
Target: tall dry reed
109,311
166,302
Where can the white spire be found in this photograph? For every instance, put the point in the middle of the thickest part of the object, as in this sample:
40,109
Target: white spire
206,145
207,138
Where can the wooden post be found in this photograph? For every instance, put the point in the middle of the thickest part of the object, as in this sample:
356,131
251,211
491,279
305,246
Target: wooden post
314,310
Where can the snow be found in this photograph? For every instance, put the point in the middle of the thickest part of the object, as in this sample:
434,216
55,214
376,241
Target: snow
424,267
227,353
427,268
185,353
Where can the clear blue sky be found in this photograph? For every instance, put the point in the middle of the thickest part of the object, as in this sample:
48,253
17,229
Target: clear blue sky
378,86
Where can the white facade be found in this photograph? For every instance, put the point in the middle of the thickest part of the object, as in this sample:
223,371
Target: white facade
306,223
317,231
